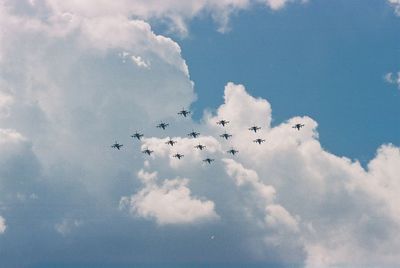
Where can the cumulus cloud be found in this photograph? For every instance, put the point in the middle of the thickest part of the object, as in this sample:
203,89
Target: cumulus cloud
326,205
168,203
66,94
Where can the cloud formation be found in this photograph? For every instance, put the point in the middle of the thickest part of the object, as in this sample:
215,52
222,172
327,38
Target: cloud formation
173,13
76,75
393,78
169,203
330,207
396,5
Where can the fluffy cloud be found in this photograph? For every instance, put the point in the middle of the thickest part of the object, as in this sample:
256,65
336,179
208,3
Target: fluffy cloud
169,203
328,207
76,76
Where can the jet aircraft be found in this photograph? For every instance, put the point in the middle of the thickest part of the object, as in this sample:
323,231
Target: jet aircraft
259,141
225,136
200,146
171,142
163,125
193,134
184,112
179,156
232,151
137,135
222,122
116,145
208,160
298,126
254,128
147,151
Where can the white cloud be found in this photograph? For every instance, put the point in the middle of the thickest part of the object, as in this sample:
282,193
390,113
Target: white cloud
66,95
325,205
168,203
3,225
66,226
393,78
396,5
173,12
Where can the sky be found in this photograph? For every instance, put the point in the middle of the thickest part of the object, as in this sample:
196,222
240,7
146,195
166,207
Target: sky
77,76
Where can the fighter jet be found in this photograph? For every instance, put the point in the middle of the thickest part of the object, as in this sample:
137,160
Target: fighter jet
193,134
179,156
222,122
163,125
254,128
171,142
116,145
201,147
147,151
225,136
232,151
208,160
184,112
137,135
298,126
259,141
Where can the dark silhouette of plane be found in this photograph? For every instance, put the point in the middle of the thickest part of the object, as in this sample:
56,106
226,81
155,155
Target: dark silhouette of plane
222,122
259,141
225,136
147,151
171,142
184,112
201,147
254,128
208,160
298,126
116,145
137,135
179,156
232,151
193,134
163,125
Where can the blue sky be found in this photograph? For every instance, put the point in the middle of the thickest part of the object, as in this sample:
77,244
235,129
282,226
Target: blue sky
77,76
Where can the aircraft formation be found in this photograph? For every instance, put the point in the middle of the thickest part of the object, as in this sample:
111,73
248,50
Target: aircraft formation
194,134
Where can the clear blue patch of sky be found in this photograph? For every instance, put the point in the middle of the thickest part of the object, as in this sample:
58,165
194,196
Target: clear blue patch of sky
324,59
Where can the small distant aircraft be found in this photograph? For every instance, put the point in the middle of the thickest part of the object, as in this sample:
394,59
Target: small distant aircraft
163,125
193,134
184,112
117,145
179,156
225,136
222,122
137,135
254,128
232,151
208,160
259,141
298,126
147,151
201,147
171,142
